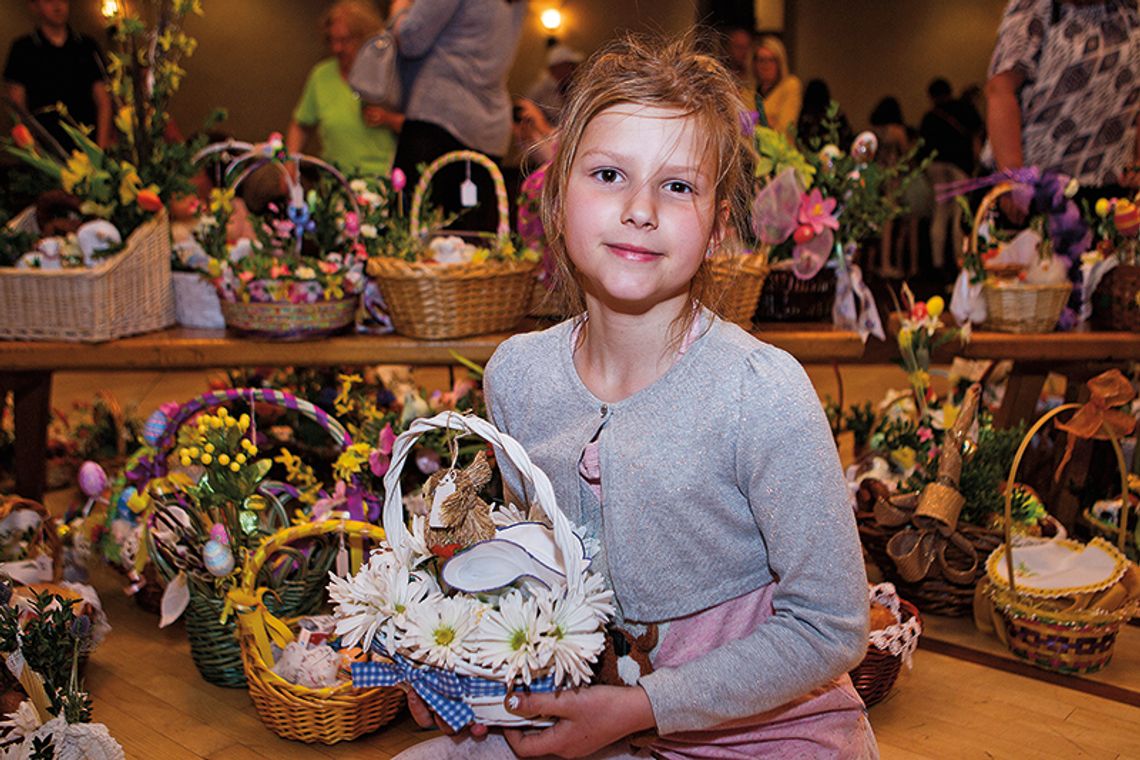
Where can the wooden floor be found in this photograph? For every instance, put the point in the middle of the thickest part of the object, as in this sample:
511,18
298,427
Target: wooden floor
146,690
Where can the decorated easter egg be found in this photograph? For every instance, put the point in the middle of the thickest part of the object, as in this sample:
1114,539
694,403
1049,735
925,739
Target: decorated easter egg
154,427
828,155
92,478
864,148
218,558
1127,218
95,237
122,504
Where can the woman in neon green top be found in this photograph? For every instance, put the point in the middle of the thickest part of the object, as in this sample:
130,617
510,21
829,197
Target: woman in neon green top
359,137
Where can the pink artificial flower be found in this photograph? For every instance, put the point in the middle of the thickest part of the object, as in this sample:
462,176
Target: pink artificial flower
279,270
380,458
360,251
925,434
245,276
327,267
351,224
817,212
282,228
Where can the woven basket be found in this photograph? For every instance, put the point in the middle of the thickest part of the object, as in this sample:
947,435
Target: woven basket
483,687
1072,641
1013,306
44,540
328,715
282,320
874,677
437,301
936,595
1114,302
786,298
213,643
739,280
128,293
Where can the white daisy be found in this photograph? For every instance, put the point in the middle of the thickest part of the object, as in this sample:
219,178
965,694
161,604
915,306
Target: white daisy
509,636
439,634
571,636
508,514
416,541
380,592
597,597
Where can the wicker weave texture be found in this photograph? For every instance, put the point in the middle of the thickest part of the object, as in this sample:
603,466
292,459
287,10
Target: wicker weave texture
44,539
876,674
128,293
213,644
739,281
437,301
329,715
1115,304
786,298
282,320
1020,308
1061,648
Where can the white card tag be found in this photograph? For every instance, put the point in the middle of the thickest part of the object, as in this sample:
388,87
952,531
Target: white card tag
342,568
468,194
445,488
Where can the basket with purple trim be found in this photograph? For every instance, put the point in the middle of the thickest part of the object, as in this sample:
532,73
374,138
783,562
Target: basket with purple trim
474,599
206,503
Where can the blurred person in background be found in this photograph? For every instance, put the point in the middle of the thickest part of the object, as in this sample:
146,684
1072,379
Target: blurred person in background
56,64
360,138
780,92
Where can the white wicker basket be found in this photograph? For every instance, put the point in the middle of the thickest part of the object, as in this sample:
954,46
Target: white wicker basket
128,293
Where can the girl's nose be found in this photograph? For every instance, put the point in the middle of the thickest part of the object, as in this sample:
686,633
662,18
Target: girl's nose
640,208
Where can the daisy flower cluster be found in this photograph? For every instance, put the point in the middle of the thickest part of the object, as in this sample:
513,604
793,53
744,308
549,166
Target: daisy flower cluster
524,631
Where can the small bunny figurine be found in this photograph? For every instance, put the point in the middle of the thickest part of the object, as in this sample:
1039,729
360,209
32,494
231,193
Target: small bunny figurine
459,517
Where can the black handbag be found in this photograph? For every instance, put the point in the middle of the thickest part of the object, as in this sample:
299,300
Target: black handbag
375,74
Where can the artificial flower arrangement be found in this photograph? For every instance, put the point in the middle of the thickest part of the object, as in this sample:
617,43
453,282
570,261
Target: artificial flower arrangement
1020,281
305,248
472,594
1110,273
46,633
817,201
96,187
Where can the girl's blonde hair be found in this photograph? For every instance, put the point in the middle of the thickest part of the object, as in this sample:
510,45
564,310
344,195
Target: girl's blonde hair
664,73
360,16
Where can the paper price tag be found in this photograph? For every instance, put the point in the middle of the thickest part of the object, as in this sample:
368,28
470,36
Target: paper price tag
468,194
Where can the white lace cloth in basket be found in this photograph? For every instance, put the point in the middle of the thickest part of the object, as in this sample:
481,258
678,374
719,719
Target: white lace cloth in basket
900,639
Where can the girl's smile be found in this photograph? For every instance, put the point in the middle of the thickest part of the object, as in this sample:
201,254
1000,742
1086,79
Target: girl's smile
639,208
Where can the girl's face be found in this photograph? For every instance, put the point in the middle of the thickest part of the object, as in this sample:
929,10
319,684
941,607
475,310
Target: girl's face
640,208
765,67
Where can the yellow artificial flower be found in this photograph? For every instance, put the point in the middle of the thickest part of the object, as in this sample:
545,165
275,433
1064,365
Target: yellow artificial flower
79,169
905,339
125,121
904,457
351,461
949,415
480,255
129,184
935,306
222,200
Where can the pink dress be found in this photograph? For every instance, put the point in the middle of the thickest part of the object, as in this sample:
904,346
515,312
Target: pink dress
829,722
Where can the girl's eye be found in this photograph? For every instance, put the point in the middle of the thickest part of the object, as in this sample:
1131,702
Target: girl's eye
607,175
677,186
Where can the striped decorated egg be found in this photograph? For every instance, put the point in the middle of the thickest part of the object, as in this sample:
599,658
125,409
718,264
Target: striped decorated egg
1127,218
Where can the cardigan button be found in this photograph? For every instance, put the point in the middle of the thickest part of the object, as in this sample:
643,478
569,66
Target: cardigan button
605,409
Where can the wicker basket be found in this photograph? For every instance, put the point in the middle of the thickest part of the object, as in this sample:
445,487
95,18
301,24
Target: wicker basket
786,298
1072,641
213,642
282,320
876,674
328,715
738,280
128,293
44,540
437,301
1013,306
1115,305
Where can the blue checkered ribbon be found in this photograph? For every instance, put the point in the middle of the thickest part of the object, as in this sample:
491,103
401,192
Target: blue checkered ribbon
442,690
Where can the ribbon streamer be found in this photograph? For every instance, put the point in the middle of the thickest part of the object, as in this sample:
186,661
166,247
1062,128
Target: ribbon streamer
1097,419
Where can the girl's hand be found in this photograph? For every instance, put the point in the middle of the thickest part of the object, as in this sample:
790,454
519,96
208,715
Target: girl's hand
425,718
589,719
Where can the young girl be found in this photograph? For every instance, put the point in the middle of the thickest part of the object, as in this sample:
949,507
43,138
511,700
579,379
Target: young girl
697,455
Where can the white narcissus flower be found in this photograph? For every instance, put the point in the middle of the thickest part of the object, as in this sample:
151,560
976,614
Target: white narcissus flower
440,634
571,636
509,636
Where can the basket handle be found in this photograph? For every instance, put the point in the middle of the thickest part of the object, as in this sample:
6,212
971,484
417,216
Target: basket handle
393,514
266,395
1112,437
273,543
984,207
503,231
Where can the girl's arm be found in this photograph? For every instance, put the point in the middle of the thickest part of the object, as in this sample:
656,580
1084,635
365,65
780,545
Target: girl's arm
788,467
418,28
